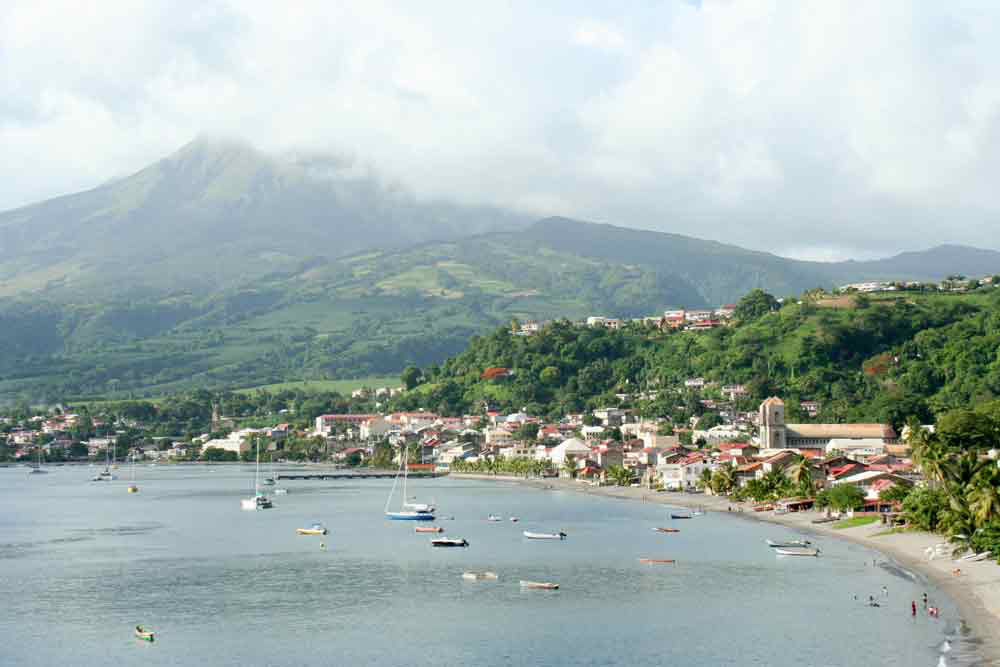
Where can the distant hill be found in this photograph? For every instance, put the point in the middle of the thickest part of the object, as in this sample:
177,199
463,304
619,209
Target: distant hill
216,214
220,266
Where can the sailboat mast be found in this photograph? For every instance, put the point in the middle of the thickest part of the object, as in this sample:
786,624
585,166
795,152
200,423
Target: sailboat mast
256,473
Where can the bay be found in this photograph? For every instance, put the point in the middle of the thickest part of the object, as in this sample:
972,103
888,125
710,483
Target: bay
82,563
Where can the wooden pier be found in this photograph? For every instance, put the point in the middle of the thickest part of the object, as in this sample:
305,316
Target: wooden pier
352,475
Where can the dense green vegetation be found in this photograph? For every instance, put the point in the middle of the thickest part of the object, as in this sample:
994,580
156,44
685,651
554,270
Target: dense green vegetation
882,360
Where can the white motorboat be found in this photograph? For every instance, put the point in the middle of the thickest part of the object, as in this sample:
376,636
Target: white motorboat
544,536
796,551
514,519
479,576
494,517
449,542
546,585
789,543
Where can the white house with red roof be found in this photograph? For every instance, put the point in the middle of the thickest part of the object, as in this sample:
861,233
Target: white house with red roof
683,473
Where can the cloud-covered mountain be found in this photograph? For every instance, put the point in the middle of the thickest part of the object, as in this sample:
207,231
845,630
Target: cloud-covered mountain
218,213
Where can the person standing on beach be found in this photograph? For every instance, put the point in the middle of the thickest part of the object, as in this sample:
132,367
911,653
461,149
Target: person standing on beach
925,600
914,606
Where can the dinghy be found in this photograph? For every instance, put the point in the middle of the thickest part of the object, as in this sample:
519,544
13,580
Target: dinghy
544,536
428,529
549,586
315,529
449,542
789,543
796,551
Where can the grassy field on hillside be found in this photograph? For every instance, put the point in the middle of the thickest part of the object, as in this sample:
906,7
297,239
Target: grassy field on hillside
340,386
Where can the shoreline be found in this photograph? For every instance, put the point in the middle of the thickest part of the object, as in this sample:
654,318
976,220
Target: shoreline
976,592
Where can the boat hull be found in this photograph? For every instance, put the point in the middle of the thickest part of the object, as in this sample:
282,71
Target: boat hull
409,516
544,536
446,543
311,531
796,551
543,585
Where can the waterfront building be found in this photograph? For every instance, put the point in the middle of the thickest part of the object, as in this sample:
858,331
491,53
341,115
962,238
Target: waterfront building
776,434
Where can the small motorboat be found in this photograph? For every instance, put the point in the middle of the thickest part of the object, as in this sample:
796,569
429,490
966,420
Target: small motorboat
652,561
544,536
789,543
258,502
428,529
667,530
796,551
104,476
315,529
494,517
145,635
479,576
514,519
407,515
268,481
449,542
974,558
545,585
680,516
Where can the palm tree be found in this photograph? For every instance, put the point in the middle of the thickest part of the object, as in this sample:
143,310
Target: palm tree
727,478
801,473
620,475
705,481
569,465
984,497
929,453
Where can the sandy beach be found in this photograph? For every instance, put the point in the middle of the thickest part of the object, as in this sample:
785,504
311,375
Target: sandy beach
976,590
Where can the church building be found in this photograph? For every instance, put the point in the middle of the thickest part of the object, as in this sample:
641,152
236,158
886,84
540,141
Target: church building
776,434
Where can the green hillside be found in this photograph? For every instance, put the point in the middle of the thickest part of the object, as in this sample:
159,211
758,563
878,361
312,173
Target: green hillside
369,314
883,360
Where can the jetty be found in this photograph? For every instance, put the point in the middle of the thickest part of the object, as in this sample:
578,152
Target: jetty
351,475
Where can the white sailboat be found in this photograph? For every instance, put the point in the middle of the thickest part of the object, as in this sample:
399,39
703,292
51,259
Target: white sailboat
407,511
37,469
105,475
259,501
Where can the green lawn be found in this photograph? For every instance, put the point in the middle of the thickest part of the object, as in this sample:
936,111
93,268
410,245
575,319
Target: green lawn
855,522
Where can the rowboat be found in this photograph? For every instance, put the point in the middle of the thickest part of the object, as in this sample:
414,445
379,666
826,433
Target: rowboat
449,542
315,529
428,529
478,576
789,543
667,530
544,536
680,516
143,634
656,560
796,551
539,584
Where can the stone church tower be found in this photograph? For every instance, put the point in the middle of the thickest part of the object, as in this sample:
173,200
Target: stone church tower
772,424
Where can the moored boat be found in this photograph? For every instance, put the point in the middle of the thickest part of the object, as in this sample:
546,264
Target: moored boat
449,542
514,519
145,635
789,543
428,529
657,560
544,536
409,516
315,529
667,530
281,492
680,516
479,576
796,551
546,585
494,517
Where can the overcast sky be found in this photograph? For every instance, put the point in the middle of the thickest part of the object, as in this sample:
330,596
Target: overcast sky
813,129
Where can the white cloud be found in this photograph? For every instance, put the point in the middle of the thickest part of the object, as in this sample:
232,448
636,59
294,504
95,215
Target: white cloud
600,35
811,127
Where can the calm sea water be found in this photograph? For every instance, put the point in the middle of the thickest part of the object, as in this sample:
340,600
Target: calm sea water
82,563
